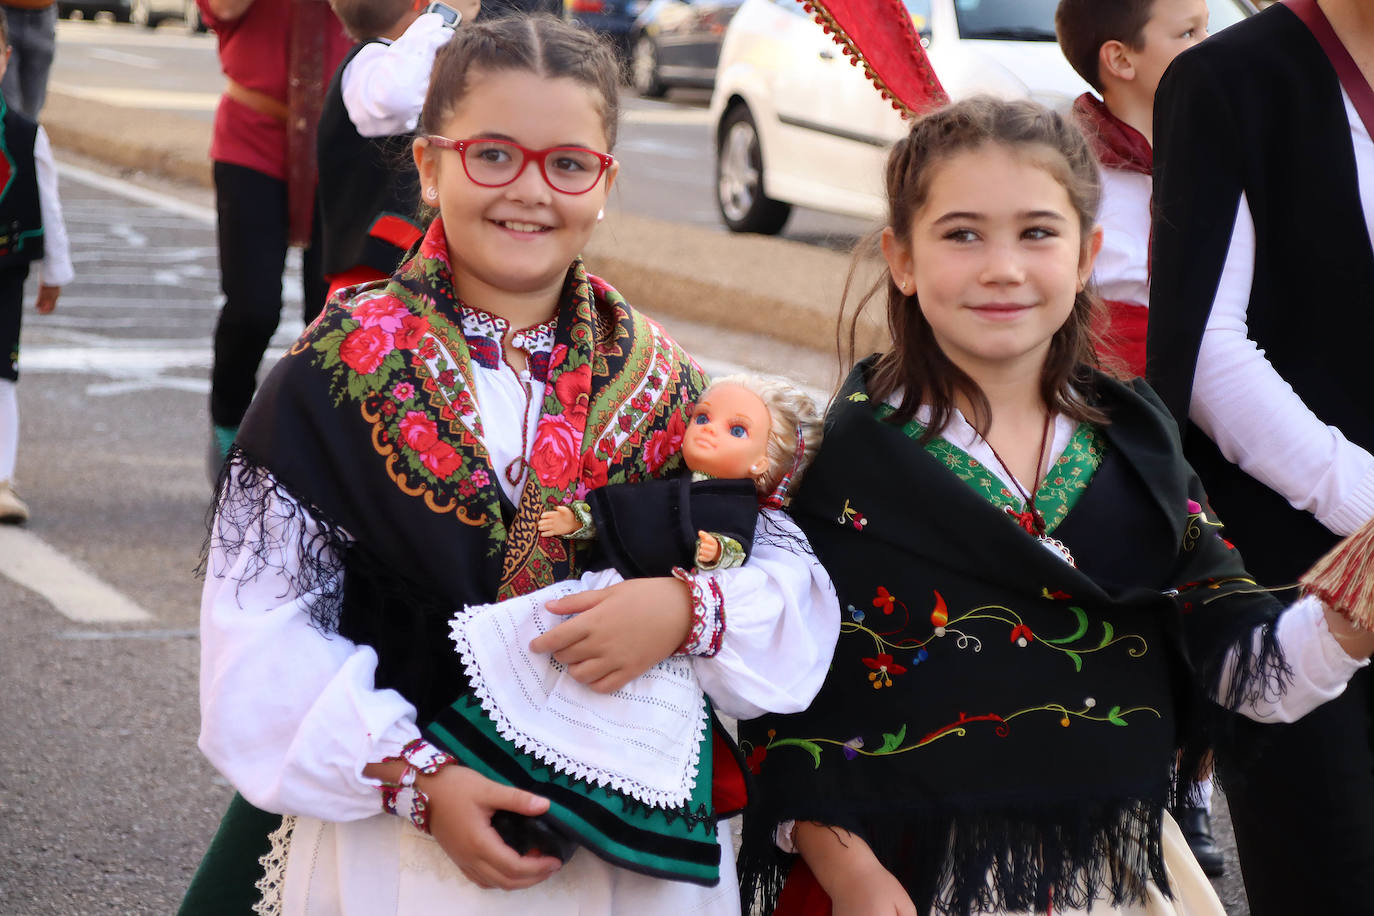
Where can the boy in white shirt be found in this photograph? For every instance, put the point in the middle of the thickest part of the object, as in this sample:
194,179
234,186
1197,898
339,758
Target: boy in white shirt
1122,48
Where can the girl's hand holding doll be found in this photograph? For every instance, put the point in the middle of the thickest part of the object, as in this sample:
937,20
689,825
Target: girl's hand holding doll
620,632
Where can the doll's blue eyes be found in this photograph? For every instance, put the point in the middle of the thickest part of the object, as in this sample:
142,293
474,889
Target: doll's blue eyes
701,419
739,432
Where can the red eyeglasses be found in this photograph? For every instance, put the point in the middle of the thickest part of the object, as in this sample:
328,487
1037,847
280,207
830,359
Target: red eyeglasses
495,163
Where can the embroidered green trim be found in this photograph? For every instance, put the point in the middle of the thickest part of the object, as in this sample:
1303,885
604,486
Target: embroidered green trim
1061,488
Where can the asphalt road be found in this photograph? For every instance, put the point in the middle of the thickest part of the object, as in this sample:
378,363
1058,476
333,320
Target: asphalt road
667,161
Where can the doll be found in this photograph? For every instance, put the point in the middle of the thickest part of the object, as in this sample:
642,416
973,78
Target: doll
746,443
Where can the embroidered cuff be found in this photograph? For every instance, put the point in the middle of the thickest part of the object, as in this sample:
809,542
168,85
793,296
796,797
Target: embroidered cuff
708,615
403,798
425,757
583,513
731,553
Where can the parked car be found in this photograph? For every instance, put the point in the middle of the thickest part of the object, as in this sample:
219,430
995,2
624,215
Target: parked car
150,13
88,8
677,43
612,18
796,125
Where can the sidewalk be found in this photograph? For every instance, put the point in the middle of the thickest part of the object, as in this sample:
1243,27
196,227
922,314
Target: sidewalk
787,291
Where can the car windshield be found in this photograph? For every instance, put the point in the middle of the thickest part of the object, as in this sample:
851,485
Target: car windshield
1033,20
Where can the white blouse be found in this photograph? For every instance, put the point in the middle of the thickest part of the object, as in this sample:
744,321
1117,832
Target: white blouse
1122,271
1253,415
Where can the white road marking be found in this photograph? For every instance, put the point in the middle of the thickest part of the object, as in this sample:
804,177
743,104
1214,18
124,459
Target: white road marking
77,594
137,194
126,59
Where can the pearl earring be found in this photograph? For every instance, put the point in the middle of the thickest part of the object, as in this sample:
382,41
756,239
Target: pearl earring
432,193
600,214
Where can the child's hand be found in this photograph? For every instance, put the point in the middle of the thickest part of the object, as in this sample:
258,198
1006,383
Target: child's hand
559,522
708,549
620,632
47,298
845,866
462,803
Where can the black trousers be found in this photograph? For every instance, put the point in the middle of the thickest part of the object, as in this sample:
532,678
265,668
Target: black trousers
11,316
1302,804
252,210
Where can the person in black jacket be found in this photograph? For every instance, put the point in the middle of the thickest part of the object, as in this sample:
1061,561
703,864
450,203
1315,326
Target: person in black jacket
1259,330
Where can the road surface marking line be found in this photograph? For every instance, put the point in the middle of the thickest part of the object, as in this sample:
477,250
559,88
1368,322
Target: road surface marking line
137,194
77,594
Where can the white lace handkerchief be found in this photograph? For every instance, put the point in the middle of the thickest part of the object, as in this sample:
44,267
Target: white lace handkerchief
643,740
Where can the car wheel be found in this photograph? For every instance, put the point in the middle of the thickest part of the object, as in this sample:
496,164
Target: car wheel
644,69
739,178
140,13
120,13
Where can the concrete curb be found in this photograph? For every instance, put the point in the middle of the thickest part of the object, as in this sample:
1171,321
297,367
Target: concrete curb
787,291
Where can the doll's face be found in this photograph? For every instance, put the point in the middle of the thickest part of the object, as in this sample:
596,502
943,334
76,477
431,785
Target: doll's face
727,436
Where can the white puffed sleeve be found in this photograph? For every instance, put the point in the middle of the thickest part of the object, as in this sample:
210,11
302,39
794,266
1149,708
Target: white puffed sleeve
289,715
782,619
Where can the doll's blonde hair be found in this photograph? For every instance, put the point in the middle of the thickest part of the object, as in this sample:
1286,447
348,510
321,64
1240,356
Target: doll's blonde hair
789,409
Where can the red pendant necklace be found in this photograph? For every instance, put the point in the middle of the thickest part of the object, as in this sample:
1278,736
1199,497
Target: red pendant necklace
1030,518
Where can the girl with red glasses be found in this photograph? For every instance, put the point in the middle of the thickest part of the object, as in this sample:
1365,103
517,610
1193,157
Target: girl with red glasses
393,470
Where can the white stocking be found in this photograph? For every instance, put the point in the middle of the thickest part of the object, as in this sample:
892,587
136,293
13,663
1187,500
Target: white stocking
9,428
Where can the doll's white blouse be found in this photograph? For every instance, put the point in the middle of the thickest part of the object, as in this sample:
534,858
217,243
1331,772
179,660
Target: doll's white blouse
1253,415
291,716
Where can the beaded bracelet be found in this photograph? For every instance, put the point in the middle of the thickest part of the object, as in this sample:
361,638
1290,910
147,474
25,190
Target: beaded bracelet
403,798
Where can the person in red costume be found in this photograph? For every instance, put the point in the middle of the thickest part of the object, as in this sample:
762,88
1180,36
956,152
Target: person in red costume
278,56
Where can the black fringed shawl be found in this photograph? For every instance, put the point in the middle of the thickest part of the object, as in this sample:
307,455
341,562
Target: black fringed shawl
997,723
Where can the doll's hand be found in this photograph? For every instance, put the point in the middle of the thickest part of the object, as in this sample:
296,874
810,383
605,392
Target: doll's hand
462,802
845,866
620,632
556,523
708,549
47,298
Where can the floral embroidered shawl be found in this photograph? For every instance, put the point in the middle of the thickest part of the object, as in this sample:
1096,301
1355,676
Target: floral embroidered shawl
370,424
998,725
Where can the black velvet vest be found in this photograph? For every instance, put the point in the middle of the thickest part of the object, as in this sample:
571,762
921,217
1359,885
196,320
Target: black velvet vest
362,179
21,215
1231,118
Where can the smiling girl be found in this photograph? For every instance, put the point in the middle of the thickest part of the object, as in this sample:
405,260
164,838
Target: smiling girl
392,471
1038,606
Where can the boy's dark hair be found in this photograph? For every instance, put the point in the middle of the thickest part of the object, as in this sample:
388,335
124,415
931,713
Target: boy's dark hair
541,45
1084,26
364,19
915,365
4,29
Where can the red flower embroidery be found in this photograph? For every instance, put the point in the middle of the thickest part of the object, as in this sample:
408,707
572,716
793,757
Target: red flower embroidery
364,349
573,390
665,443
883,668
557,355
885,600
556,458
419,431
1022,635
413,329
385,312
594,471
441,459
447,378
755,759
940,615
